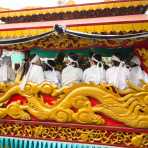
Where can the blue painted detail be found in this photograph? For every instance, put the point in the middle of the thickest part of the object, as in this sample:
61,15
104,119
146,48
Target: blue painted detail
8,142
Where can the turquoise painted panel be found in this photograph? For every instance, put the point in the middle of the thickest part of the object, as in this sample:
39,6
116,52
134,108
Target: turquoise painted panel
17,57
9,142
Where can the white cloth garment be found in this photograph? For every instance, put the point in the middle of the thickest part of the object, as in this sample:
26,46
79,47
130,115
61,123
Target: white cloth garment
136,74
94,74
145,77
71,74
117,76
112,75
136,60
36,74
11,74
123,76
3,73
6,72
52,76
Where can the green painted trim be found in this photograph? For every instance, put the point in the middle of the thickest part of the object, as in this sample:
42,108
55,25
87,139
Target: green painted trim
84,52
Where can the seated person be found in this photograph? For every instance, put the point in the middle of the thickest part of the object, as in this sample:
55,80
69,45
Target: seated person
72,73
136,73
51,75
124,71
34,73
96,72
7,74
117,74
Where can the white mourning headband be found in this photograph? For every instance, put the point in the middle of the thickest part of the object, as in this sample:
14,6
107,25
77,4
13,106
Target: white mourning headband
94,59
114,58
71,60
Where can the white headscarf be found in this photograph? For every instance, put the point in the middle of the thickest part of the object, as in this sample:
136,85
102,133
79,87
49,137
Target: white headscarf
136,60
136,73
115,58
71,61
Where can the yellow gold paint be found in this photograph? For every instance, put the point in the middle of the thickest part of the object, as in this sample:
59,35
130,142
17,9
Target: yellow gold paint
143,53
130,109
76,134
108,28
74,8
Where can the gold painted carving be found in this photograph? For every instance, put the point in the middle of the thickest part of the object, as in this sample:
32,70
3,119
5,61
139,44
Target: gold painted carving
143,53
62,42
75,134
129,106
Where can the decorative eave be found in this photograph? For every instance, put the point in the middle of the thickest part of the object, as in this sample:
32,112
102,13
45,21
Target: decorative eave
72,8
109,25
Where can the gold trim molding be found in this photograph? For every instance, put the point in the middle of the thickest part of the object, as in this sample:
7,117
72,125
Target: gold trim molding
111,5
108,28
86,134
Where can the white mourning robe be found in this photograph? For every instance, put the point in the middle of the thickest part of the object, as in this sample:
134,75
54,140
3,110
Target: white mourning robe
136,74
6,73
112,75
123,76
35,74
3,73
94,74
11,74
53,76
117,76
71,74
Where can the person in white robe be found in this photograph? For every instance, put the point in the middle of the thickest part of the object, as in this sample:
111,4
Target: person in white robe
136,73
123,76
34,74
7,74
96,72
71,73
11,71
117,74
1,73
52,75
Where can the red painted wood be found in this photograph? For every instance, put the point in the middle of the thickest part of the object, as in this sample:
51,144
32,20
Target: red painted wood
140,18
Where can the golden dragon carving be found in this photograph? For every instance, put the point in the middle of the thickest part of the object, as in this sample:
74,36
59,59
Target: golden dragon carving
129,106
